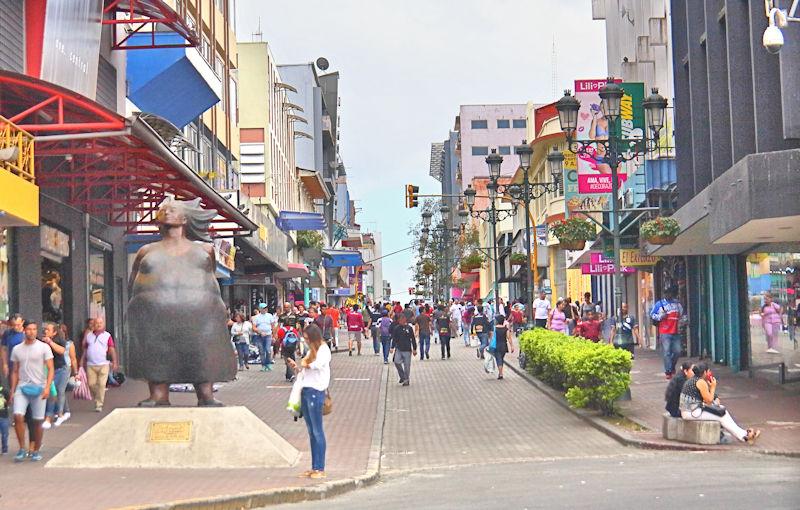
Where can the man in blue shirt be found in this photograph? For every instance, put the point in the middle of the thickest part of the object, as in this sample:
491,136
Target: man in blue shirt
11,338
263,324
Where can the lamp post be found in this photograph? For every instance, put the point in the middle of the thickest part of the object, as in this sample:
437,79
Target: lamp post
442,237
618,150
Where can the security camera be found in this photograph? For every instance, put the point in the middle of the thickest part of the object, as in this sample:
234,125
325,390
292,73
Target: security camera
773,39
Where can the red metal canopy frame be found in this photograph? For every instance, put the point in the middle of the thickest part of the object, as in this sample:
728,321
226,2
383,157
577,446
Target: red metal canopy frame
106,165
149,16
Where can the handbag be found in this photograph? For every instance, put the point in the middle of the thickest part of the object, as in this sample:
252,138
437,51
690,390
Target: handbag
31,390
715,409
327,407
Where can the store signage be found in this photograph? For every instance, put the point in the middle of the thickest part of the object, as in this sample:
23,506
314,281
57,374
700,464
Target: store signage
601,265
225,252
340,292
54,241
637,258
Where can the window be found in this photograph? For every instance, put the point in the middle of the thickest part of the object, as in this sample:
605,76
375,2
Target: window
504,150
219,66
520,123
503,124
480,151
479,124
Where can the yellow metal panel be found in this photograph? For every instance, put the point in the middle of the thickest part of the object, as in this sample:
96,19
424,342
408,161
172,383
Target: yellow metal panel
19,201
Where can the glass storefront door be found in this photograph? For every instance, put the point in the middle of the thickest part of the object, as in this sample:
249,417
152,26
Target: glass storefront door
5,274
55,251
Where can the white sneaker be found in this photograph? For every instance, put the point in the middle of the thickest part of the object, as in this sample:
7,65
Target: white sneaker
46,425
773,351
59,421
67,416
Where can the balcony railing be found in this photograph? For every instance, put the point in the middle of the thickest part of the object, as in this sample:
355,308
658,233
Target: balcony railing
16,150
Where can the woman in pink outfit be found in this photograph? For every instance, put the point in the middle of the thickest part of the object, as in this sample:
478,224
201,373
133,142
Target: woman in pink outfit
557,321
771,322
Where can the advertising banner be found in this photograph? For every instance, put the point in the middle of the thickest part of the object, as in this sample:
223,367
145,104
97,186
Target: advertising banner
637,258
594,172
601,265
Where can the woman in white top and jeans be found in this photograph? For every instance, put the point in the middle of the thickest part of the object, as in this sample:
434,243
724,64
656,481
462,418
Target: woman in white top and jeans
316,368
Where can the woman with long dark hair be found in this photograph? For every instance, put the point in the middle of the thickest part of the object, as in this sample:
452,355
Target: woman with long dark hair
316,370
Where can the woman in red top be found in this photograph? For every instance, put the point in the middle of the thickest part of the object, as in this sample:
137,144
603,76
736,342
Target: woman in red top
355,328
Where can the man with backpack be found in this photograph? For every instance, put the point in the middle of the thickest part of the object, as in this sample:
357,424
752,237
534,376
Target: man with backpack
422,328
444,325
385,332
374,317
480,327
289,339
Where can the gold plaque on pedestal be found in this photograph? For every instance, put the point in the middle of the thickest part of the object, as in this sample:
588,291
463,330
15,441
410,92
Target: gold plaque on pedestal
170,432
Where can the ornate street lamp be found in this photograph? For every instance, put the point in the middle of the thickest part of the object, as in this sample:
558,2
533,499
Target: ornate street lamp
426,218
494,161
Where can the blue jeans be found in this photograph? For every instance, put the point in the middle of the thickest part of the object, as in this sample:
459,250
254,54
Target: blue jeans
671,346
243,351
424,344
4,434
386,341
264,344
311,402
55,405
484,338
376,342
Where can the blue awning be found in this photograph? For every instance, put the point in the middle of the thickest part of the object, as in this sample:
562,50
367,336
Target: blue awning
341,258
291,220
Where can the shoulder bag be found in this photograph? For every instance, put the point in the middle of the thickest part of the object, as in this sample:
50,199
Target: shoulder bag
327,407
715,409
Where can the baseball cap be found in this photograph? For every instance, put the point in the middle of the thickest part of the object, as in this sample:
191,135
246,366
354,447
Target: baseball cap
261,306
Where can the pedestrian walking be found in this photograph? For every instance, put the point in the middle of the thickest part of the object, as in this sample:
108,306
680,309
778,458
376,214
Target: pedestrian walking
502,342
240,332
669,313
288,338
355,329
404,346
333,313
587,306
480,327
422,328
557,318
96,349
30,388
466,317
590,327
4,398
628,335
12,337
771,321
325,323
53,338
444,325
385,332
316,367
541,310
264,323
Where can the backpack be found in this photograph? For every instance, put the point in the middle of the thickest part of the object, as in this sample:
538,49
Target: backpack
384,324
289,339
480,323
443,325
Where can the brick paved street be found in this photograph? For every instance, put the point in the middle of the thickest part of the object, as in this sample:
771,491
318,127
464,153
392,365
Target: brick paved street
354,389
454,413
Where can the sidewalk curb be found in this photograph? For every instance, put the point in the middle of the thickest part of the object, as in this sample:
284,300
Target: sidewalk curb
325,490
622,437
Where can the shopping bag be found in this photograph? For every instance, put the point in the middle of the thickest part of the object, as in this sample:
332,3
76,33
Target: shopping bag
81,390
490,364
474,341
293,406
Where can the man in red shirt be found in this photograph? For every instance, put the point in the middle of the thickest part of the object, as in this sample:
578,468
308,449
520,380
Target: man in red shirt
333,313
355,328
590,327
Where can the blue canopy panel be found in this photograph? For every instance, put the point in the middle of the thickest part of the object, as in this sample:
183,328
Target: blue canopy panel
291,220
173,83
341,258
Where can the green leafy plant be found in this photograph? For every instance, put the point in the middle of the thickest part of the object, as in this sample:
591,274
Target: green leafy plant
591,374
309,239
518,258
573,230
659,227
428,268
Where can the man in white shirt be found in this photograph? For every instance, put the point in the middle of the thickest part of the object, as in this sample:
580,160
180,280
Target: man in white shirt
455,316
97,346
541,310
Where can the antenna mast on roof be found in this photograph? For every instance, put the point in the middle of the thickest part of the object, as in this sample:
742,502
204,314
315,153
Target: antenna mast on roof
554,67
258,36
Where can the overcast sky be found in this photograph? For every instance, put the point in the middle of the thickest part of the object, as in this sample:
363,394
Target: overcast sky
405,67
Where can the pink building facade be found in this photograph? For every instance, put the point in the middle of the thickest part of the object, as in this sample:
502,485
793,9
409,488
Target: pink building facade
487,127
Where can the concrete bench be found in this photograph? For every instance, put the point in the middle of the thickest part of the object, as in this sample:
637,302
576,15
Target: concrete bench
690,431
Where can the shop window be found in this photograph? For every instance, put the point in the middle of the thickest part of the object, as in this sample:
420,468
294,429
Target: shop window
5,274
100,280
55,253
504,150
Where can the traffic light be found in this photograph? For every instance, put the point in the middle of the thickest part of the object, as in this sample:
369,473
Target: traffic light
412,198
411,290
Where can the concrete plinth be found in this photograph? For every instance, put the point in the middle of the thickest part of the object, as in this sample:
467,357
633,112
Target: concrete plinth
690,431
188,437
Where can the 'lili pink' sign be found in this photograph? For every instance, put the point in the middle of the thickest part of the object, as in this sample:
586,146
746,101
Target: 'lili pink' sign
601,265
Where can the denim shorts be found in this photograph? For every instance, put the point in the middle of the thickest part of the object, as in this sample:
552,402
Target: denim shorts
37,405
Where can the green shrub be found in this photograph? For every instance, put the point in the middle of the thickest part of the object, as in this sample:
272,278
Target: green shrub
592,374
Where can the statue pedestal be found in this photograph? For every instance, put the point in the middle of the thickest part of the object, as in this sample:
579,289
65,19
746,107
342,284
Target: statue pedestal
178,437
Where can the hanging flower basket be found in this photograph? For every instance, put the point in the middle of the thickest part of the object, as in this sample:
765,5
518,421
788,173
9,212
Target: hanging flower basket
518,259
471,262
572,233
660,230
428,269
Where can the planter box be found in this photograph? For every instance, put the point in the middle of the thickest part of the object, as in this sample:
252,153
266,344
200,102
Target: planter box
661,239
573,245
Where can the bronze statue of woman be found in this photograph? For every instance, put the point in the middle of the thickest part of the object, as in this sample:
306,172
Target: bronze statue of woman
177,325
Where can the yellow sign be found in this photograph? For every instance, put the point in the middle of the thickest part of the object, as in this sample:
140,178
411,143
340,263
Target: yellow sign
635,257
171,432
570,161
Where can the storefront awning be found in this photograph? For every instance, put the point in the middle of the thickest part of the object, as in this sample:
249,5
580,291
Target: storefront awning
293,220
341,258
294,271
314,184
106,165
